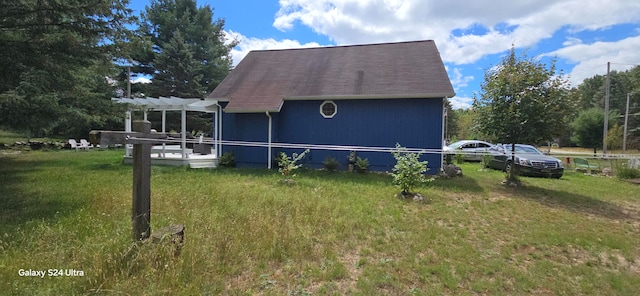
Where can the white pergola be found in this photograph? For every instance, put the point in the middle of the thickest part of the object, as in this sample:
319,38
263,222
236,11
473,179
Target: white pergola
165,104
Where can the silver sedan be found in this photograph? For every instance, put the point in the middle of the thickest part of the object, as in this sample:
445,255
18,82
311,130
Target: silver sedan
472,150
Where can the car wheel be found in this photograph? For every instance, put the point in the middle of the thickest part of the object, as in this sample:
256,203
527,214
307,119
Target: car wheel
507,167
557,176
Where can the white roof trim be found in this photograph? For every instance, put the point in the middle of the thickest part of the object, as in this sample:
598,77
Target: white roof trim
170,104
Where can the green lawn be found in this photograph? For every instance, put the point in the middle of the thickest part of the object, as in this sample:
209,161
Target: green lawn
329,234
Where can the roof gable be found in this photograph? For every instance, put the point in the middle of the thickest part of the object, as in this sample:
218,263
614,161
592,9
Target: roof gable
263,79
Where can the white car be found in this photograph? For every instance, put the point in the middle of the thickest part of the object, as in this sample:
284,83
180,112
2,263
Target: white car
471,149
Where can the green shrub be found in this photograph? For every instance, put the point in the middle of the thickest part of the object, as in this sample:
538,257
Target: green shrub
227,160
623,171
362,165
486,158
460,157
628,173
408,171
448,158
330,164
286,165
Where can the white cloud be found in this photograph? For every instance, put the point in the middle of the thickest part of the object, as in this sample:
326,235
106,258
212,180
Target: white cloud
465,31
591,59
141,79
523,23
458,80
570,41
247,44
461,102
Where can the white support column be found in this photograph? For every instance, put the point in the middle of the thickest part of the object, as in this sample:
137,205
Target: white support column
215,133
127,128
442,138
164,130
164,121
127,121
269,142
219,150
183,122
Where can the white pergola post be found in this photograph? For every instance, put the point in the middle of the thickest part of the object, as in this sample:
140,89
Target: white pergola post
164,130
127,128
219,129
164,121
175,104
215,133
183,123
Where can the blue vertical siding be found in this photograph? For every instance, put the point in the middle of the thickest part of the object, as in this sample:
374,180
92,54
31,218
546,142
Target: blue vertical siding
252,127
415,123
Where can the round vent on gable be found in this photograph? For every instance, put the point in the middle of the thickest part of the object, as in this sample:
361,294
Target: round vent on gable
328,109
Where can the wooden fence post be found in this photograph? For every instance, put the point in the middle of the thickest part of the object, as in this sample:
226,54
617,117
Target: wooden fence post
141,203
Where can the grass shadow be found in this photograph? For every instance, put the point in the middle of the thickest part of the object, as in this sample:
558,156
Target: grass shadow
369,178
573,202
19,203
459,184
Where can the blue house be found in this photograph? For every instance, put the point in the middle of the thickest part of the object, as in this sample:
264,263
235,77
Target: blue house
333,100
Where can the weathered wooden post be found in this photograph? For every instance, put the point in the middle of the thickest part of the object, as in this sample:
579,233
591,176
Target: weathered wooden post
142,139
141,203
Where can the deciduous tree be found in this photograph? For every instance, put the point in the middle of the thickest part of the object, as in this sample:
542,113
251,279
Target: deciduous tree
588,128
522,100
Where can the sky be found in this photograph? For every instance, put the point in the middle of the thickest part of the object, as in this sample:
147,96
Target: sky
582,36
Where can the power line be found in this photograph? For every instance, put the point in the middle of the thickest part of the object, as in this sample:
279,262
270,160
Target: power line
623,64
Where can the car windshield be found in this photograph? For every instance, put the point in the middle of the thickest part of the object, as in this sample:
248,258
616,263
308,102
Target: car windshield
527,149
521,149
458,144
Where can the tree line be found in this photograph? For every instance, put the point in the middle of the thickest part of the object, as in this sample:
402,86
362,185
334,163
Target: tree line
523,100
61,62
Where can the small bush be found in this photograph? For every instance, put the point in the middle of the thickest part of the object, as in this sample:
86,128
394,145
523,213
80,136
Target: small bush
486,159
227,160
408,171
288,164
628,173
448,158
460,157
331,164
362,165
624,171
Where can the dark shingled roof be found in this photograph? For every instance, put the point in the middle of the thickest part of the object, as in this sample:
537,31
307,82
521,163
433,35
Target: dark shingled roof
265,78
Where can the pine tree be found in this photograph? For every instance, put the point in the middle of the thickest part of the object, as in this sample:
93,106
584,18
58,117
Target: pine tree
46,45
185,48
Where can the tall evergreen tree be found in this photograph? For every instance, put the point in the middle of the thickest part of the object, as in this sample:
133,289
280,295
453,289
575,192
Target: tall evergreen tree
45,44
185,48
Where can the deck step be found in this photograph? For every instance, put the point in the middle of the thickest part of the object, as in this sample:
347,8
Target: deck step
203,164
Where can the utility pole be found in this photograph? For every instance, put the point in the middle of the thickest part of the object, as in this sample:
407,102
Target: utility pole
606,112
626,121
